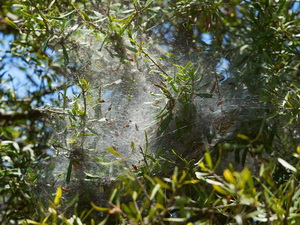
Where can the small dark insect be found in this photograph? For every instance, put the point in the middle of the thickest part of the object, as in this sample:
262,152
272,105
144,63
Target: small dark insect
228,197
102,100
134,167
136,127
126,125
220,102
213,88
109,107
132,58
66,190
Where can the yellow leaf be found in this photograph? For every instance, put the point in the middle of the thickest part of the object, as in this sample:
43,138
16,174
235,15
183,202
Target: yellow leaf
45,220
161,183
160,206
99,208
208,160
242,136
298,149
191,181
58,196
229,176
32,222
113,151
219,189
202,166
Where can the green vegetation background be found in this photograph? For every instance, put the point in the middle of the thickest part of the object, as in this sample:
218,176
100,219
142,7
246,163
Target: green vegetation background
260,39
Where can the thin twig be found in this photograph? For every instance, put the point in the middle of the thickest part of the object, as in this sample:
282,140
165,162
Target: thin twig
155,63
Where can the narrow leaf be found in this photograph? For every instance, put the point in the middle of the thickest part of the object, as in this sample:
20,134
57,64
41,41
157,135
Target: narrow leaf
68,177
229,176
219,189
242,136
66,56
113,151
164,124
154,191
161,183
175,220
208,160
58,196
287,165
99,208
11,23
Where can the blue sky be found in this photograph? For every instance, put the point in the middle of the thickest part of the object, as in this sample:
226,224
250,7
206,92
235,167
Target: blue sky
16,72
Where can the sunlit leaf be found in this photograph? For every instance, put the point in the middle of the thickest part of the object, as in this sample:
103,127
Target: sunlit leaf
27,221
154,191
175,220
91,176
229,176
11,23
58,196
134,196
287,165
201,175
161,183
99,208
191,182
298,149
159,206
219,189
208,160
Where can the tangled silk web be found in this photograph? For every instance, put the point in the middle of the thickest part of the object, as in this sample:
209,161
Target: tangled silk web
122,112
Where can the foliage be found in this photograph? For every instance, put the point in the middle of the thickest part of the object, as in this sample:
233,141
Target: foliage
258,39
195,196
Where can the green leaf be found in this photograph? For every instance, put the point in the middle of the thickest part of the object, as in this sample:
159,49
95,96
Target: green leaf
154,191
208,160
45,45
103,222
84,15
93,131
205,95
66,56
60,17
113,151
91,176
11,23
242,136
201,175
99,208
164,124
161,183
68,177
